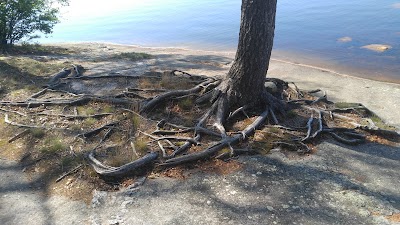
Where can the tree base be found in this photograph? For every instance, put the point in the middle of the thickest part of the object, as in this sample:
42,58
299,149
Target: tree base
196,121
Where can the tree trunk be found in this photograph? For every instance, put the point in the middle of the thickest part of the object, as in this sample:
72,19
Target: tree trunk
245,81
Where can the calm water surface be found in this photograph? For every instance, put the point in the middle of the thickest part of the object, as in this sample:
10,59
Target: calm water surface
306,30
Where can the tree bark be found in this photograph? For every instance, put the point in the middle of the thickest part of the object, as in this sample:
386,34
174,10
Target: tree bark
245,81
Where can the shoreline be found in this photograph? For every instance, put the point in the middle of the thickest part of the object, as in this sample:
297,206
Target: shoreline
332,71
379,96
296,58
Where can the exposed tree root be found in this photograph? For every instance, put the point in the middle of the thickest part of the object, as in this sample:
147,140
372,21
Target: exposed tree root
71,102
105,170
226,141
213,134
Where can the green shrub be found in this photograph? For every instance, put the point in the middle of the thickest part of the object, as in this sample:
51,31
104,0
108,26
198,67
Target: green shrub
37,132
133,56
53,145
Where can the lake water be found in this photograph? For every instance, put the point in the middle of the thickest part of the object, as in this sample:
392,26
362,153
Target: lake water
307,31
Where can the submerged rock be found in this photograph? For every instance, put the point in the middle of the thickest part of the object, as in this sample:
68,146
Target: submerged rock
377,47
344,39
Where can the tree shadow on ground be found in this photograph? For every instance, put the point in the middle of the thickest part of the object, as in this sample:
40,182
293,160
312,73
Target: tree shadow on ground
310,190
12,78
304,190
210,63
13,187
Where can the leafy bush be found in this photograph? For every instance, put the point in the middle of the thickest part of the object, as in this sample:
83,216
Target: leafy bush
25,18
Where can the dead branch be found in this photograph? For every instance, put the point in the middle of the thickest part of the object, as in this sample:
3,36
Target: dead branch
111,77
12,111
6,120
77,101
40,93
130,95
240,109
93,132
172,132
165,155
19,135
70,117
146,90
74,170
177,138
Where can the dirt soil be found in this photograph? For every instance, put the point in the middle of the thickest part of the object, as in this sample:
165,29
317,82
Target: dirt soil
336,184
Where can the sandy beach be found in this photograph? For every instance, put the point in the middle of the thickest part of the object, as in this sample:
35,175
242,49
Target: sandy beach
380,97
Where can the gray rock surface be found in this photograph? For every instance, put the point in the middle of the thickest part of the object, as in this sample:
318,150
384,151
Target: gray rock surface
337,185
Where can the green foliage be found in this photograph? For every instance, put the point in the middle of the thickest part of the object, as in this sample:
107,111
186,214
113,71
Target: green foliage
25,47
186,104
53,145
133,56
273,130
86,110
291,114
89,121
24,18
135,121
141,146
37,132
108,109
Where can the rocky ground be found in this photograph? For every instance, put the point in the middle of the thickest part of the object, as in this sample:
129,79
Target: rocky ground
335,185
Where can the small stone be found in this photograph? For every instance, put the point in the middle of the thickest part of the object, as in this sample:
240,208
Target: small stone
125,203
69,181
270,208
377,47
364,213
285,206
208,202
259,173
344,39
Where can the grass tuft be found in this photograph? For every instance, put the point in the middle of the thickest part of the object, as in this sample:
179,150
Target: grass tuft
186,104
133,56
37,132
53,145
141,146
